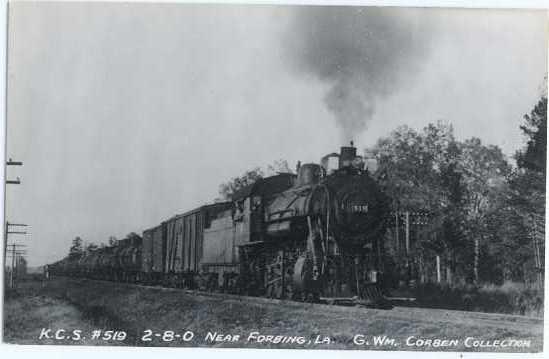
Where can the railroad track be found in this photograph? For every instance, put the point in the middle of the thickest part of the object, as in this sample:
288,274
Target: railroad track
403,314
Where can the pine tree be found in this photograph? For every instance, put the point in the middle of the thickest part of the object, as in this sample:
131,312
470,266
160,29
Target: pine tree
76,250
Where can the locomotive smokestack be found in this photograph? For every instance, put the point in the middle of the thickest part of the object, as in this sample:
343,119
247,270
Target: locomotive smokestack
347,155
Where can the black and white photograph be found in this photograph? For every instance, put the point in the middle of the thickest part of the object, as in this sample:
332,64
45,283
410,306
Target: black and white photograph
350,177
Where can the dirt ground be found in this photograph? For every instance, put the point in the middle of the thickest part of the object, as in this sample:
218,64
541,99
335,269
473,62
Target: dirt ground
171,317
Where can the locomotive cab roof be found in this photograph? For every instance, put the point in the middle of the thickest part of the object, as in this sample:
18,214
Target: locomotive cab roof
266,186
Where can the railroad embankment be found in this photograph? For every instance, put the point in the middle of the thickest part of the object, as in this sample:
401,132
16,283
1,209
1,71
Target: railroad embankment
34,306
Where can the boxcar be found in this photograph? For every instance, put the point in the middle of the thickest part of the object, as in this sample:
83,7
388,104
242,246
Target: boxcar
184,243
153,253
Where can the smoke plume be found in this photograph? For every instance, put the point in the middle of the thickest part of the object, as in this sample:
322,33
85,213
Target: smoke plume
362,54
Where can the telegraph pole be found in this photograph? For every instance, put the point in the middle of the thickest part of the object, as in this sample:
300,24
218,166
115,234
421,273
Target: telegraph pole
7,231
407,219
12,277
397,246
14,253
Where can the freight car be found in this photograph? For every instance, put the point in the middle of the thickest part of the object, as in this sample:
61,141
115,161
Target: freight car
314,236
172,251
120,261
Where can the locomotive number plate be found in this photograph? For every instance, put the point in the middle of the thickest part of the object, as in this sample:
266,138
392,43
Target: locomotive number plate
355,208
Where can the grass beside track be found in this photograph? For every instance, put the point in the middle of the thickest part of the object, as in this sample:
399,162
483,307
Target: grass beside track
32,307
135,309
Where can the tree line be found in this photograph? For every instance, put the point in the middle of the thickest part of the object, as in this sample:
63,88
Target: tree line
77,249
486,213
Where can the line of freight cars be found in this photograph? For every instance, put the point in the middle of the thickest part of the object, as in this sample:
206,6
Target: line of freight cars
169,254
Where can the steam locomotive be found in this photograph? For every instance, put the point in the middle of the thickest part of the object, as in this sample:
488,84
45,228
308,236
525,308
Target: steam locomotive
312,237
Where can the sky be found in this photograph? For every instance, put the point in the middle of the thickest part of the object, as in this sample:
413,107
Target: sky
126,114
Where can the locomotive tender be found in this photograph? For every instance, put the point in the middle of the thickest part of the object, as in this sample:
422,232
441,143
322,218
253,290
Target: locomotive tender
316,236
